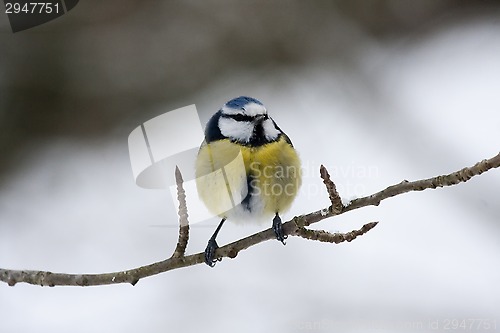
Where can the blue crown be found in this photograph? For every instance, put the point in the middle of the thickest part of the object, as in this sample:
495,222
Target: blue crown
240,102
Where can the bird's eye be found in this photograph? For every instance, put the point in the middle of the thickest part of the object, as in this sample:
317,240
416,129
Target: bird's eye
242,117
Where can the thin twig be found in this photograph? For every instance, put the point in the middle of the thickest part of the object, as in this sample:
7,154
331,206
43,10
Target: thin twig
453,178
334,196
328,237
180,249
231,250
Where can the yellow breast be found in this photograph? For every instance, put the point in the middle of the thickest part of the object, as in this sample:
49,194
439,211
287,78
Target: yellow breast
240,182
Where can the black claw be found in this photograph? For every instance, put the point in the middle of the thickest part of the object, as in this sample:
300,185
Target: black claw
278,229
210,259
212,246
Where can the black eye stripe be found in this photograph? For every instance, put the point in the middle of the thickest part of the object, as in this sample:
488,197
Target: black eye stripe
240,117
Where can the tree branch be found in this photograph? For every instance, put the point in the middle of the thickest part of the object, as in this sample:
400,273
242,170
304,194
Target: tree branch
335,198
294,227
180,249
328,237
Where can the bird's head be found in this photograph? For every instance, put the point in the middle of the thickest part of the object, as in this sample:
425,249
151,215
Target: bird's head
245,120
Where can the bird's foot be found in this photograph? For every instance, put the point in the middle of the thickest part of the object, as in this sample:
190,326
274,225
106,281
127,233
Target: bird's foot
278,229
210,258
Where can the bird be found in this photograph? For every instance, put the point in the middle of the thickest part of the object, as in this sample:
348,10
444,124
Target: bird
247,168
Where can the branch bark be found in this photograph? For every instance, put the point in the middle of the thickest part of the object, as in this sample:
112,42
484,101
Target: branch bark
295,227
180,249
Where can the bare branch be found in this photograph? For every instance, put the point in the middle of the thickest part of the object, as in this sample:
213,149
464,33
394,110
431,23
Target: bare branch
453,178
328,237
180,249
292,227
335,199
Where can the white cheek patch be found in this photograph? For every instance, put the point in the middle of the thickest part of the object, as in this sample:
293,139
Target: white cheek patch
239,130
270,130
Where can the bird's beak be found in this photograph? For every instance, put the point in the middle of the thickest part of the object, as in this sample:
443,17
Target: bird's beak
260,118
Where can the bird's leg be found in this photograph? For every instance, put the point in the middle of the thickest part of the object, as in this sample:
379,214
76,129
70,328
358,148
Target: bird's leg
278,229
212,246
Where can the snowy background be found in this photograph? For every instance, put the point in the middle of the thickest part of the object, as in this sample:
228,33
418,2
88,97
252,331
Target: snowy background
376,94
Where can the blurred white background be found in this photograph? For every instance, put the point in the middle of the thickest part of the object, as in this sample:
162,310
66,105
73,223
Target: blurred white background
376,93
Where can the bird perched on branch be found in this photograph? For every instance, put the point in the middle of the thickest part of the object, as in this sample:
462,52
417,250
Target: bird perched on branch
247,168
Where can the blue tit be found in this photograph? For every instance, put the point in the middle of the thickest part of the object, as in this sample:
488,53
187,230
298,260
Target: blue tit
246,169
